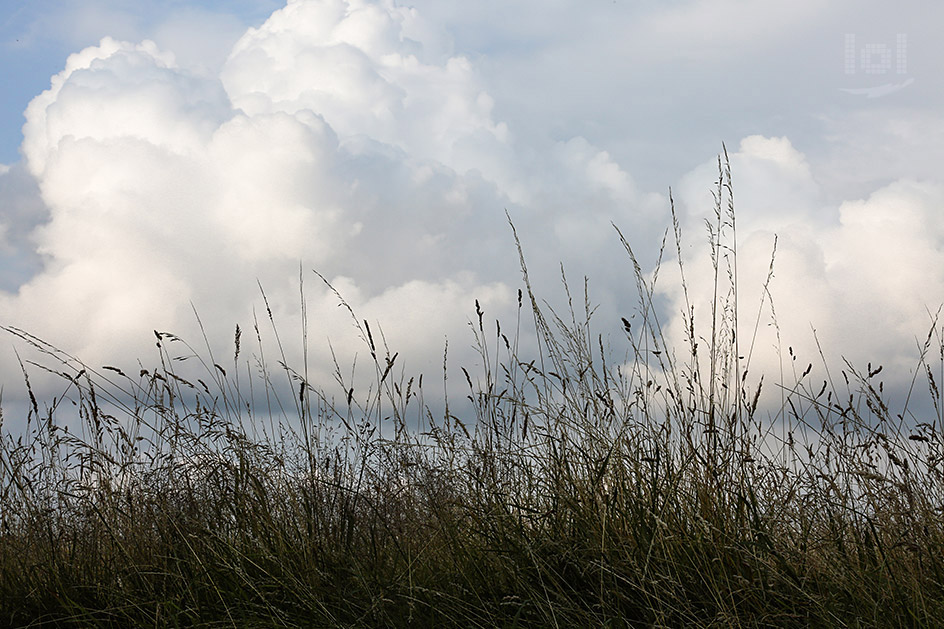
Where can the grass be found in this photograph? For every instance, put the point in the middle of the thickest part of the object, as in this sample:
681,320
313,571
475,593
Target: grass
573,489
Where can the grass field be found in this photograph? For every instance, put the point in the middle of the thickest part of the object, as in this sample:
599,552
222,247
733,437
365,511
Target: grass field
581,489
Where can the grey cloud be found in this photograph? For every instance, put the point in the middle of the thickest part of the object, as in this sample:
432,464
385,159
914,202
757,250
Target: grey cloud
22,211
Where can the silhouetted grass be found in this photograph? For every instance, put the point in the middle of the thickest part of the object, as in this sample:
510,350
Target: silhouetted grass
580,490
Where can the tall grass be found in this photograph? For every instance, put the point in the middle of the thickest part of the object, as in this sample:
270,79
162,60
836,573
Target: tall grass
575,489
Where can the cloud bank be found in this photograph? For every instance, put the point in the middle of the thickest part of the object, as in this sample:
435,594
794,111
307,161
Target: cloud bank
348,137
863,279
330,140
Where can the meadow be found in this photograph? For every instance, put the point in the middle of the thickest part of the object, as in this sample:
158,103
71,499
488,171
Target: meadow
574,486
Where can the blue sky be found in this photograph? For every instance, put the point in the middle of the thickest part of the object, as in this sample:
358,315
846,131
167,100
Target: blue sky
188,149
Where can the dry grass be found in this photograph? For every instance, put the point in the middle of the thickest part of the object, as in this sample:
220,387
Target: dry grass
580,491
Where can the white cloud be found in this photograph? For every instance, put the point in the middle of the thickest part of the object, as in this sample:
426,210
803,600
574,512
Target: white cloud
351,136
863,275
117,91
162,193
353,63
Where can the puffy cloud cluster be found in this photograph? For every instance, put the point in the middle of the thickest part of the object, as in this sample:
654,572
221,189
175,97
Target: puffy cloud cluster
346,136
333,139
361,66
864,277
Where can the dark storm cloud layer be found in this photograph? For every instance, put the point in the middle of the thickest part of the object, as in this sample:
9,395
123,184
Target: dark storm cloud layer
351,136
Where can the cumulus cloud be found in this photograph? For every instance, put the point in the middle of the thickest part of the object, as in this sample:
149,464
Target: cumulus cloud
860,277
356,63
347,136
332,138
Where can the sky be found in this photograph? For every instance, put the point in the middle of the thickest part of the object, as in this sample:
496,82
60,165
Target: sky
161,158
